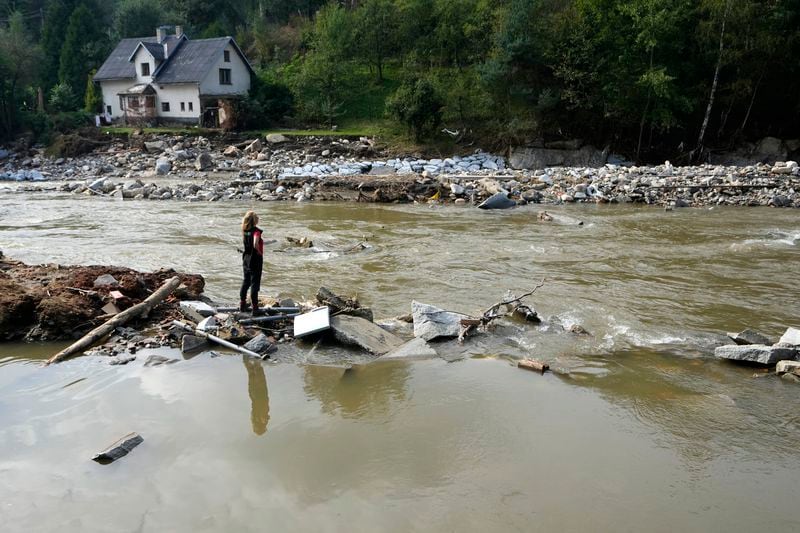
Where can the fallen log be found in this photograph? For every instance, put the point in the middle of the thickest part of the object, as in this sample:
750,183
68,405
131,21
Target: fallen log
100,332
214,338
533,365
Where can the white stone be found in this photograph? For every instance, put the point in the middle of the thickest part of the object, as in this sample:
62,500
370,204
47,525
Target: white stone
431,322
791,337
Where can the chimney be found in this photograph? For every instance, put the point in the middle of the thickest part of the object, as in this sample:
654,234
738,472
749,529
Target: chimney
161,33
178,31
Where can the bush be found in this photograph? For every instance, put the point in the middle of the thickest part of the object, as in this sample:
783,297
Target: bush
70,121
39,124
268,102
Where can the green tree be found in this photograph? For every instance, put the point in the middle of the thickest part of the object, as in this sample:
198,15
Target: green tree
377,33
19,60
93,99
139,18
62,98
56,12
326,71
85,47
417,105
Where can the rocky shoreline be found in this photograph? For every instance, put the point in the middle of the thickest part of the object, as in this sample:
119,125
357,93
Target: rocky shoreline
277,168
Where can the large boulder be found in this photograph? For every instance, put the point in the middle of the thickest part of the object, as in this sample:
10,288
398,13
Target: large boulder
497,201
534,158
431,322
770,150
755,353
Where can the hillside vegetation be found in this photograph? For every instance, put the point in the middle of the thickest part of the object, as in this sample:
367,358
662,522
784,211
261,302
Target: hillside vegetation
647,77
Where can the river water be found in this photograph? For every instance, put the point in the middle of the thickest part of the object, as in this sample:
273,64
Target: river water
640,428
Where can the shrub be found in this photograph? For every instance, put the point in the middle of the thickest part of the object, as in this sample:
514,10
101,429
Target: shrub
417,105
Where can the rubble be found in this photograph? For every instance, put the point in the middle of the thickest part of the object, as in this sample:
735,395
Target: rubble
748,336
790,338
788,367
322,168
416,348
431,322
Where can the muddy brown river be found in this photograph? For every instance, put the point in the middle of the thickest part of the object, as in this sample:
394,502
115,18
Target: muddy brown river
641,429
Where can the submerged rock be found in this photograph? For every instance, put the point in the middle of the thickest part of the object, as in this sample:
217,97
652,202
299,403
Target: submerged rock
364,334
755,353
119,449
414,349
499,200
748,336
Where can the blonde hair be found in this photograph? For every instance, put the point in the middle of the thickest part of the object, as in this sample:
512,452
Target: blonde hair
249,221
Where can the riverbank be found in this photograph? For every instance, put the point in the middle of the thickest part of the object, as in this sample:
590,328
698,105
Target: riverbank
54,302
279,168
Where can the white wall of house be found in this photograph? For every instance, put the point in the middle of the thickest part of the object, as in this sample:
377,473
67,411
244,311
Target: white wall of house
177,94
143,56
111,90
240,75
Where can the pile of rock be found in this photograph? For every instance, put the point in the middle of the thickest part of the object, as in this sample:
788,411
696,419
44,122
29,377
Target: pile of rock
753,347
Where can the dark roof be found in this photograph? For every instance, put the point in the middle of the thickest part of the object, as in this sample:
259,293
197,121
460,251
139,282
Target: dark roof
117,66
193,60
188,61
156,50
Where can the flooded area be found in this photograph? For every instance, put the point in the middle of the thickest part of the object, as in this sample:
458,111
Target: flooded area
640,427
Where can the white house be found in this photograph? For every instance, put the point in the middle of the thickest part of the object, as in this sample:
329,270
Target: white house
170,78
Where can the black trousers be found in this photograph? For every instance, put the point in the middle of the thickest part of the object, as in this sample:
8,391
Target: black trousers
252,269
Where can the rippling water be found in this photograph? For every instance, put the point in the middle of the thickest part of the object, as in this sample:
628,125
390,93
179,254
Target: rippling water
643,430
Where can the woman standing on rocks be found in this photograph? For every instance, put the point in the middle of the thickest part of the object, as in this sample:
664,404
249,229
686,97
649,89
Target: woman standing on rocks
252,261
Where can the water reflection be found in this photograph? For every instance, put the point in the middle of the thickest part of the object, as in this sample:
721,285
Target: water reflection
358,391
259,396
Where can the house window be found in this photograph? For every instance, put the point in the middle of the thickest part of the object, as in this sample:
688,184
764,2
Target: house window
183,106
225,76
191,106
226,55
165,107
145,69
108,109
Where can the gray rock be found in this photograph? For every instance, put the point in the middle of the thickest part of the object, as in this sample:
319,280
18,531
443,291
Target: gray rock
155,146
534,158
203,161
414,349
364,334
275,138
196,310
158,360
193,343
790,337
755,353
121,359
163,166
788,367
748,336
431,322
260,344
497,201
119,449
106,280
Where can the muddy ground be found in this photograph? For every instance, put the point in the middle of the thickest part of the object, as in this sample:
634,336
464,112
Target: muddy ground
57,302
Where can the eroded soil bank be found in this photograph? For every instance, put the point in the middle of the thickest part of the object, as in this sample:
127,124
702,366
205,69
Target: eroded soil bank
57,302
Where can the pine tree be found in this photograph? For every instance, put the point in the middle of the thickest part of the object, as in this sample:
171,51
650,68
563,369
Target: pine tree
53,32
93,100
84,48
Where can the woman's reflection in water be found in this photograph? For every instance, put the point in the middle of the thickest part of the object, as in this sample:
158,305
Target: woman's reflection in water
259,397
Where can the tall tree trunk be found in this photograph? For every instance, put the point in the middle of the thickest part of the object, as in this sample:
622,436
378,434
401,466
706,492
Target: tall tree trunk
716,79
750,106
644,113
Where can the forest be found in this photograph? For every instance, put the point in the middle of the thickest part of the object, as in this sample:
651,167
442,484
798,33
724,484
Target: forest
645,77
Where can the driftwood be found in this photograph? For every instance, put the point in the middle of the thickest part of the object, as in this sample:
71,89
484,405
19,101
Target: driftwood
493,312
534,365
98,333
214,338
